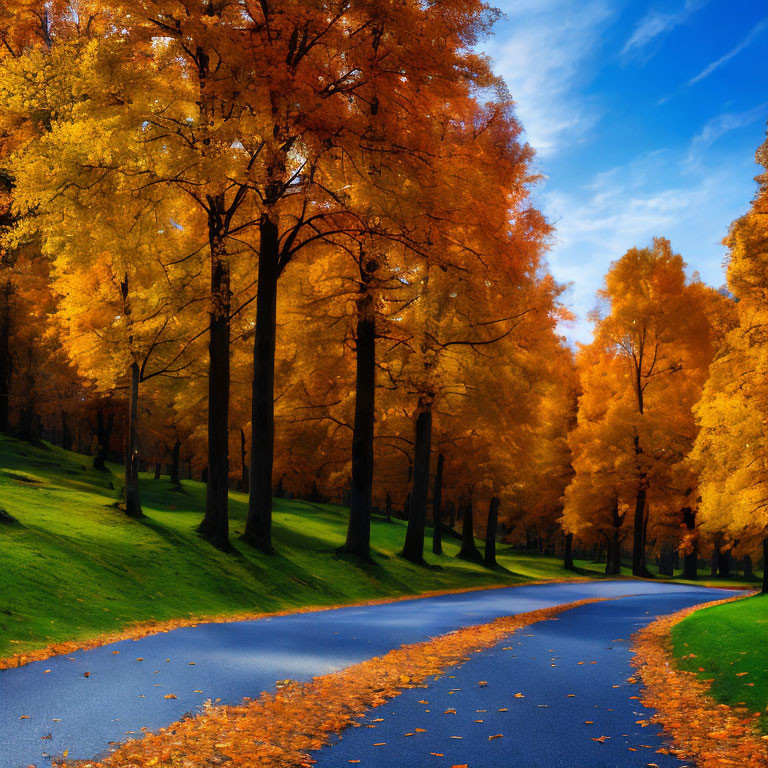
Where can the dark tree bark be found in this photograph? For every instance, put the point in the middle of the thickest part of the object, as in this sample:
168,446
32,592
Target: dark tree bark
215,524
724,564
690,559
568,556
243,463
451,515
747,566
258,528
638,542
175,461
5,357
666,560
389,507
437,510
359,528
490,534
66,433
765,566
158,470
132,498
613,561
103,433
468,549
413,549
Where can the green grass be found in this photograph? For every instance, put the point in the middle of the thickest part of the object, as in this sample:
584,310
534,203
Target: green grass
74,566
728,640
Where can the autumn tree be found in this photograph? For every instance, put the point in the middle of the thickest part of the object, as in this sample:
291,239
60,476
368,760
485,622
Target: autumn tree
730,451
639,380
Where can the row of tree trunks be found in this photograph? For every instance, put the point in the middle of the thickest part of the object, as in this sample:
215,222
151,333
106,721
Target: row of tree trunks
413,548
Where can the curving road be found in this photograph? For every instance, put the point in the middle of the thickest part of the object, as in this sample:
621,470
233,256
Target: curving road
51,706
553,695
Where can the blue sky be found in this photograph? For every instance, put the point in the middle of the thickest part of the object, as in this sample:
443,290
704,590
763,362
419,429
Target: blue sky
645,115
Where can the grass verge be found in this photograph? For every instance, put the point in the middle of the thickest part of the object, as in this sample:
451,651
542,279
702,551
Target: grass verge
726,644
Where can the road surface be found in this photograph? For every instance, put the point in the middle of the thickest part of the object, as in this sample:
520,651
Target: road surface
43,713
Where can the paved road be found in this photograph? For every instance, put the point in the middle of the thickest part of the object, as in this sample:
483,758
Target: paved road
124,692
572,674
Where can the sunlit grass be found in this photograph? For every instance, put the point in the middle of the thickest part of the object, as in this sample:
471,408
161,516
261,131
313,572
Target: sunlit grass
728,645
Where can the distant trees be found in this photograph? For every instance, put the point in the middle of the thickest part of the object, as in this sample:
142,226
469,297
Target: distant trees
640,379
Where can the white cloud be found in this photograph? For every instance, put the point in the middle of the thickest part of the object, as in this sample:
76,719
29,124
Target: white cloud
544,51
723,124
653,195
735,51
657,23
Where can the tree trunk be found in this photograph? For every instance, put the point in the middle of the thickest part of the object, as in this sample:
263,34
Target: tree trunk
724,564
666,560
132,498
103,433
158,470
258,528
468,549
389,507
638,544
690,559
490,534
359,527
568,557
437,511
175,460
765,566
613,560
215,524
66,433
5,358
413,549
747,565
243,463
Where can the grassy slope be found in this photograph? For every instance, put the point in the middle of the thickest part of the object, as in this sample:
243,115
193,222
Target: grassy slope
75,566
728,640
